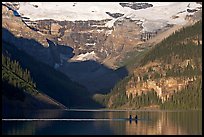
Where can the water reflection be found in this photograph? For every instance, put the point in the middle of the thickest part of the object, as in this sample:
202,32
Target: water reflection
149,123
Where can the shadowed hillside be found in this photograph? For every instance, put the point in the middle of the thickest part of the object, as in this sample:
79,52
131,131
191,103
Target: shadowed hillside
55,83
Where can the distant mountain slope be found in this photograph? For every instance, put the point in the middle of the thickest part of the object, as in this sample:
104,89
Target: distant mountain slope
169,76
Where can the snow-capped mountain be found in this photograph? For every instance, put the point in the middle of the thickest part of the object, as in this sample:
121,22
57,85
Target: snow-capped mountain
103,28
96,32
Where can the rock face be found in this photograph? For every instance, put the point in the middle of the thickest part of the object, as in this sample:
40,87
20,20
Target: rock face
88,36
164,87
155,76
54,28
136,6
115,15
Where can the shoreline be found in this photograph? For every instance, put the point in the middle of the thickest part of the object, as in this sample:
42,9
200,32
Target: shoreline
125,110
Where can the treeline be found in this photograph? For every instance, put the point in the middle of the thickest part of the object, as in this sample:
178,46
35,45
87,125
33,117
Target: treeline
119,92
16,77
143,100
119,97
188,71
190,97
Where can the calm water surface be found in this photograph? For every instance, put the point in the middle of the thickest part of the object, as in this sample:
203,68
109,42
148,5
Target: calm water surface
92,123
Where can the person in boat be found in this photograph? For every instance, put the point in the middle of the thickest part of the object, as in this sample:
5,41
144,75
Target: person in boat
130,117
136,117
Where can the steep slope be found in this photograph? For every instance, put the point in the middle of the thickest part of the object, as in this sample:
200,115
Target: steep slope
19,91
168,75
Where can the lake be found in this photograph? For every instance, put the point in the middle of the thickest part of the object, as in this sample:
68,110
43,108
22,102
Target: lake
95,122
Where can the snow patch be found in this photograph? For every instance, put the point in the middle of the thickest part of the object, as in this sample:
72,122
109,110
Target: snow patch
66,10
151,26
100,30
86,56
110,23
162,12
90,44
108,32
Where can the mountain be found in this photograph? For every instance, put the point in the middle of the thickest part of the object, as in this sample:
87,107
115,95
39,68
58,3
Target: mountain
108,30
88,51
100,29
169,76
104,33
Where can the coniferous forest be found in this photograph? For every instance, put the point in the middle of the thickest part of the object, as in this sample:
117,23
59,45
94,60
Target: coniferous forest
15,80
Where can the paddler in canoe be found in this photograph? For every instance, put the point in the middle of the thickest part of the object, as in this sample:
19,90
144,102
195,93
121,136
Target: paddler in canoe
130,118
